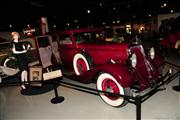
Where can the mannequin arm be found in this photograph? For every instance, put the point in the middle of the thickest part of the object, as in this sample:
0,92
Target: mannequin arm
17,52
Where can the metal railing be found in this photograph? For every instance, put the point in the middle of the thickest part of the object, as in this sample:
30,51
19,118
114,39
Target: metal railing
137,100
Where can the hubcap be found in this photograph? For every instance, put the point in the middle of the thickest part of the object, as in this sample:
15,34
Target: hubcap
81,66
109,85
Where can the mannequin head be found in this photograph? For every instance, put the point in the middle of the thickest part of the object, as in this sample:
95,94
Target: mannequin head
15,35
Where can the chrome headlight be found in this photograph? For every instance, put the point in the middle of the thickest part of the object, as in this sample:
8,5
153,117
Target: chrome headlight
152,53
133,60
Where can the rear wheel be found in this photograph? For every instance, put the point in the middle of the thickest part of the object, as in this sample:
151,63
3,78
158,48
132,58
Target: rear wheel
108,83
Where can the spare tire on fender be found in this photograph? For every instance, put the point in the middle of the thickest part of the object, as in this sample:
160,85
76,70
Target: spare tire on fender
9,66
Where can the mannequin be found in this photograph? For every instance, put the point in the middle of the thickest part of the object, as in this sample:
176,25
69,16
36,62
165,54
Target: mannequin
19,50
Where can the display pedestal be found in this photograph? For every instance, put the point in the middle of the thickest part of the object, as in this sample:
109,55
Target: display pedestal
36,90
47,86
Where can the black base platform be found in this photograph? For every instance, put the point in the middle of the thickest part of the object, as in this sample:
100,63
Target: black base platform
35,90
57,100
176,88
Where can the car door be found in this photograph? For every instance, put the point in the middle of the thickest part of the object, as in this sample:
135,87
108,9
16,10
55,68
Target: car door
67,48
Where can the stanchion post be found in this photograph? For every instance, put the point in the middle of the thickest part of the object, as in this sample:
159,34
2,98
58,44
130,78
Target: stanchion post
57,98
179,78
138,107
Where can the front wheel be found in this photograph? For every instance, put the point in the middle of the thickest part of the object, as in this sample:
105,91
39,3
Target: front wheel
108,83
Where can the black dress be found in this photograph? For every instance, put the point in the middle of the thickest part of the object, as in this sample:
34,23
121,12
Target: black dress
21,58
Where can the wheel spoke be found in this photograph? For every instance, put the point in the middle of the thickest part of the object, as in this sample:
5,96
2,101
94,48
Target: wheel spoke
108,83
81,66
110,86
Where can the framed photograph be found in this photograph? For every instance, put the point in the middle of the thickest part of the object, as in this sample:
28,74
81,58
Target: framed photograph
35,74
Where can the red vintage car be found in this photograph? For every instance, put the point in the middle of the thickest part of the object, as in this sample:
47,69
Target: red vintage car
116,65
95,55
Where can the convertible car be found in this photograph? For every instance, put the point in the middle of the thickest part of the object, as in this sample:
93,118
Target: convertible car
96,55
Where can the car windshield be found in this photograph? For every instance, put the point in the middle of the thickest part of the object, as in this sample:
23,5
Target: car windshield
89,37
105,35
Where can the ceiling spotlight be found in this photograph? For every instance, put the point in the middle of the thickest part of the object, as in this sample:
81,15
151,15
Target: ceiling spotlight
172,11
68,24
88,11
100,4
164,4
10,26
149,15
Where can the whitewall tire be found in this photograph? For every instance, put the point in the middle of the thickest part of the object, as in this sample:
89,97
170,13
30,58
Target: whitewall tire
108,83
80,64
10,66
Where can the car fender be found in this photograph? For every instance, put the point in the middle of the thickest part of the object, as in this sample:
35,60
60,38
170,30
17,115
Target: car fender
119,71
89,58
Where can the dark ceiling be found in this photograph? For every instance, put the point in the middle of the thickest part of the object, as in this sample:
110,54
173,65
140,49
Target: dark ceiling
60,12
